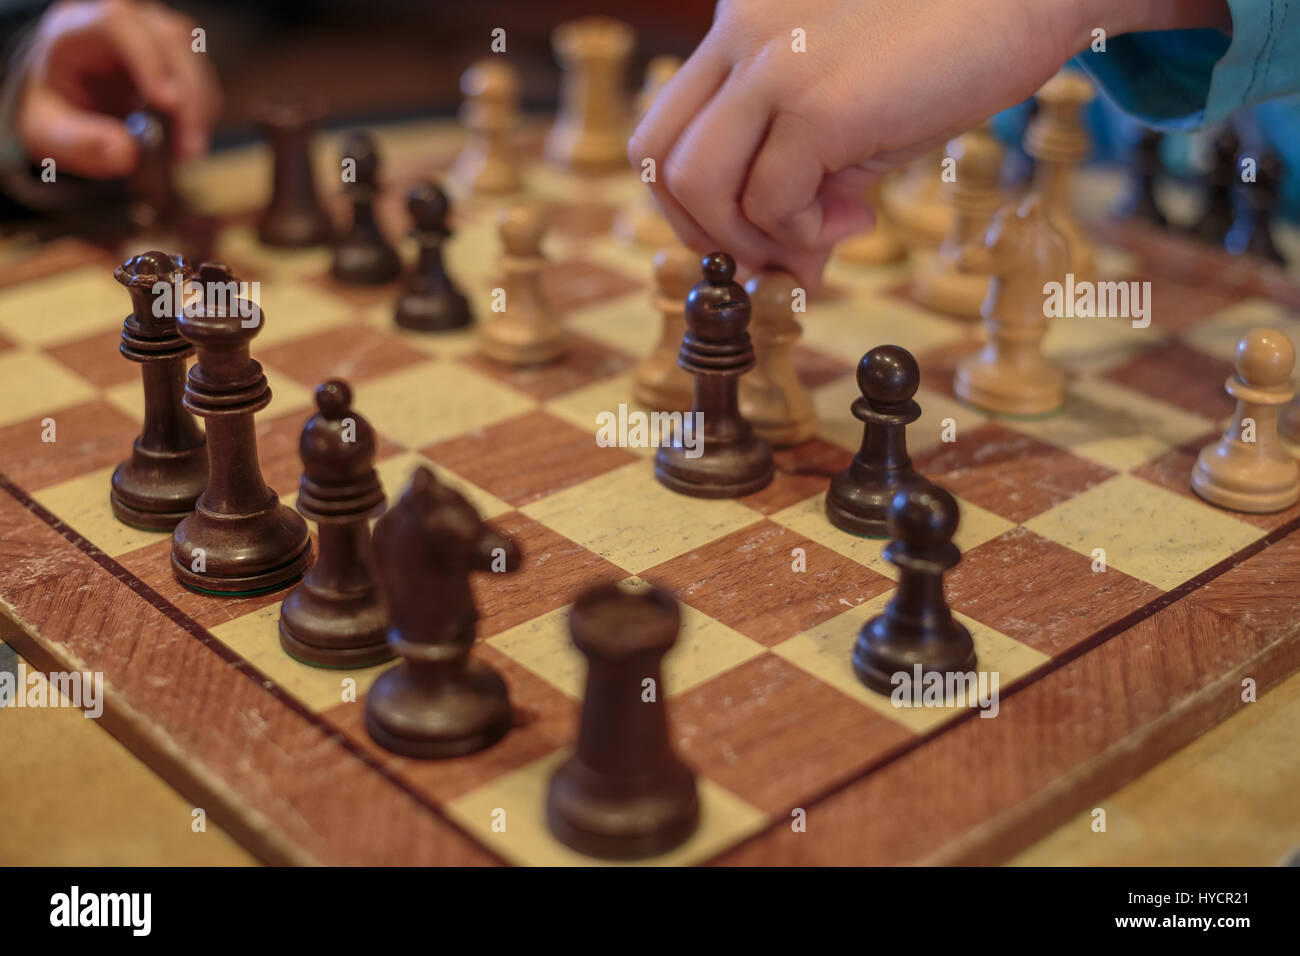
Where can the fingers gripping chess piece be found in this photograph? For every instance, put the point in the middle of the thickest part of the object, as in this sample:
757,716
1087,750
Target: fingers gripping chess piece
658,382
1022,252
643,223
974,197
858,498
157,486
294,216
439,701
917,627
1248,469
334,617
527,331
882,245
430,301
489,163
771,396
591,130
1057,139
724,458
240,539
362,255
624,793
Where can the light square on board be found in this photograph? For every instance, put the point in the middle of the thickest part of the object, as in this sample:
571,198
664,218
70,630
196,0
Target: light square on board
627,517
83,503
33,385
293,310
1146,532
256,638
585,361
844,327
826,652
625,324
96,358
425,404
581,406
725,819
73,305
808,518
705,648
240,246
1218,335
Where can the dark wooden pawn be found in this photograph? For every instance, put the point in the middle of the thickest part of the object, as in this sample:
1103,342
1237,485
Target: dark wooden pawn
334,616
430,302
1215,220
859,497
439,701
294,216
728,460
157,486
362,255
155,199
240,538
624,793
917,626
1139,202
1253,234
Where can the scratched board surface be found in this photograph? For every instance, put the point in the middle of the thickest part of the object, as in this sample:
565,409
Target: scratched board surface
1102,672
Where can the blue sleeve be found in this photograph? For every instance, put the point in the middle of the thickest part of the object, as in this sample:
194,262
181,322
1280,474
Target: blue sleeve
1181,79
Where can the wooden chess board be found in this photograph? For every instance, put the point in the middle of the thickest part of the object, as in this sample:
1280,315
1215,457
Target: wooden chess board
1102,673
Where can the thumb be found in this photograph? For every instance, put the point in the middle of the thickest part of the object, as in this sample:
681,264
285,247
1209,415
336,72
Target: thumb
80,142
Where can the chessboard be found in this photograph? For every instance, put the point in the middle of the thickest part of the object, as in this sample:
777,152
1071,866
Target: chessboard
1104,672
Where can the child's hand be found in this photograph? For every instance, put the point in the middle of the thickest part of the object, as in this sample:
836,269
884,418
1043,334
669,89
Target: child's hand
90,63
766,152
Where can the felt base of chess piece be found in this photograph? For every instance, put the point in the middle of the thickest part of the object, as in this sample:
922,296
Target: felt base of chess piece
858,498
917,627
624,793
250,553
988,381
938,283
1253,473
448,714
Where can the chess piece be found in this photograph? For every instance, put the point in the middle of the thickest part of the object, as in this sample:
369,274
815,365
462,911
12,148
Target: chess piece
294,217
772,398
157,486
882,245
642,222
913,203
439,701
1248,469
1022,252
152,185
1252,231
362,255
974,197
489,164
1217,214
658,382
527,331
591,130
240,539
720,457
430,301
334,616
917,627
624,793
1144,168
1058,140
859,497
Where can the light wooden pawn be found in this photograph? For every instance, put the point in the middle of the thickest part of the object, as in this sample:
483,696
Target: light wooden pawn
1058,141
527,331
658,382
643,223
1248,469
591,130
489,163
914,205
771,396
1021,252
882,245
974,197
